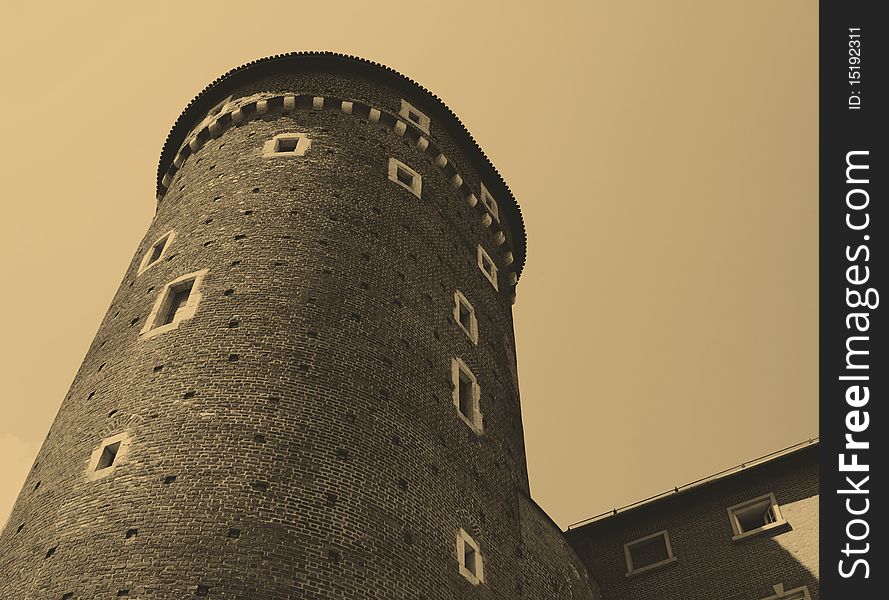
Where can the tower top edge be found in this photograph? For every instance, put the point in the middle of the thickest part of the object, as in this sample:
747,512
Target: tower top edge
333,62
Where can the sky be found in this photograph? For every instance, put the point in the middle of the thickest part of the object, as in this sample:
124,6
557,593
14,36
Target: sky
664,154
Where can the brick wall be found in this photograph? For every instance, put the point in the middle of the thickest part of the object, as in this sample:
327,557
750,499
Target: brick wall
297,437
708,563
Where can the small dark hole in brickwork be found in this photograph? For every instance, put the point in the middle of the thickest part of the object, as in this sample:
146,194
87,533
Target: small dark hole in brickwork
397,302
350,417
151,289
240,236
355,317
334,555
207,243
234,533
67,596
408,538
208,221
102,366
274,400
169,479
134,321
402,276
387,361
37,485
330,150
433,469
402,485
233,323
158,368
50,552
217,198
233,358
211,167
248,212
330,499
342,454
255,190
113,412
396,440
278,263
311,301
376,210
203,590
333,217
20,527
188,394
364,285
365,256
228,292
123,592
304,368
312,334
322,242
436,335
171,257
235,263
102,345
131,533
131,283
90,396
259,438
327,271
260,486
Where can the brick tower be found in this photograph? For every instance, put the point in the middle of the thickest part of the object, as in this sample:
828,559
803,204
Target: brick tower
305,386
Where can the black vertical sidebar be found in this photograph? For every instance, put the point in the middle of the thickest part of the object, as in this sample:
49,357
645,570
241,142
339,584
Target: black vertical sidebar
854,370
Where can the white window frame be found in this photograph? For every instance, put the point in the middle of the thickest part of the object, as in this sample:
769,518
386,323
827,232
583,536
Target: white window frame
463,540
405,111
489,202
490,276
162,304
733,511
476,422
416,186
472,331
637,542
147,263
271,148
800,593
91,473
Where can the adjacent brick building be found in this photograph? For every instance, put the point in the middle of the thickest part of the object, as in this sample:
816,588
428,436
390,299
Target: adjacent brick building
305,386
750,533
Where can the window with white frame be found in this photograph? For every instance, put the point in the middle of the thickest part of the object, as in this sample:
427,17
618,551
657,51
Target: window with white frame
176,302
107,456
489,203
464,315
156,252
800,593
466,394
406,177
755,516
286,144
487,266
648,553
469,558
413,114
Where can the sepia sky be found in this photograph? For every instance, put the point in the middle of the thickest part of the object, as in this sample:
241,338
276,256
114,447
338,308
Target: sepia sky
664,154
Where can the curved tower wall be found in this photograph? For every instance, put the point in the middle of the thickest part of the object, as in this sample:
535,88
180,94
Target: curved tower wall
296,434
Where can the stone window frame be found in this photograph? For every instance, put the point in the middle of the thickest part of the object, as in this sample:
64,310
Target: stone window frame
123,438
491,275
463,540
737,530
147,263
472,331
407,110
476,423
800,593
489,202
271,148
416,185
162,304
671,558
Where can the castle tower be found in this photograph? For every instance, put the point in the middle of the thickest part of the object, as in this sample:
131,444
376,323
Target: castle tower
305,386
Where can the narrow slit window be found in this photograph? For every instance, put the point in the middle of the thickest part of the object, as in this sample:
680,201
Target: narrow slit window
406,177
648,552
755,516
464,315
466,394
489,203
286,144
487,266
176,302
156,252
469,558
414,115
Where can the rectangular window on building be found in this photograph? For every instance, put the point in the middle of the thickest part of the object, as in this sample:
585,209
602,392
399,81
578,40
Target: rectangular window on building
469,558
487,266
286,144
466,394
649,552
406,177
755,516
464,315
489,203
157,251
414,115
107,456
176,302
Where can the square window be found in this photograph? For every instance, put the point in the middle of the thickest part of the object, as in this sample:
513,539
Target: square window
469,558
176,302
466,394
406,177
107,456
286,144
755,516
648,553
487,266
800,593
464,315
414,115
156,252
489,203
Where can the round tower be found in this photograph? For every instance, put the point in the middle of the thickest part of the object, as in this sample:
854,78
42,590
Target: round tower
305,386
